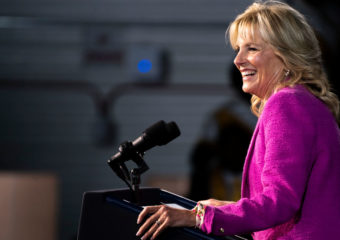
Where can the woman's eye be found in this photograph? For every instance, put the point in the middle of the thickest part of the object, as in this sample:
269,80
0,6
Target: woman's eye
252,49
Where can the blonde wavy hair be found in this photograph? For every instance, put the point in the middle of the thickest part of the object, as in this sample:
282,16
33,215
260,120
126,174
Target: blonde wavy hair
294,41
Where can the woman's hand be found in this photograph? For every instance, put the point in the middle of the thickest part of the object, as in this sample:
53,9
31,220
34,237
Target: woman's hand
163,216
215,203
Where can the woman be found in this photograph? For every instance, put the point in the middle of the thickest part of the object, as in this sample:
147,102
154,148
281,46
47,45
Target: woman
291,176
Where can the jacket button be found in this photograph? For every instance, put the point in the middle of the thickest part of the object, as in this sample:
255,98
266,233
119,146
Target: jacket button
221,230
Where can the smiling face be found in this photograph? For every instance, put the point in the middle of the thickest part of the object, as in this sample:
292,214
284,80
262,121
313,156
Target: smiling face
260,67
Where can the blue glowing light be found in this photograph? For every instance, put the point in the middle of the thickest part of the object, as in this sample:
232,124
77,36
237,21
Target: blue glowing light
144,66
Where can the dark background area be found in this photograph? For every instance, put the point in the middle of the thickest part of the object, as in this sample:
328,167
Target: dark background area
70,91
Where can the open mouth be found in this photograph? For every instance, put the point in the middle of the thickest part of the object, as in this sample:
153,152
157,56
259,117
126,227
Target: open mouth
246,74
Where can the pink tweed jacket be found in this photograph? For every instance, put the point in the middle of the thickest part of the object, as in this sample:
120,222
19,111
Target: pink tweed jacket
291,176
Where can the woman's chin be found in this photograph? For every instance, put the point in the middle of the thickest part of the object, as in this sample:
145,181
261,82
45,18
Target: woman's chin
246,89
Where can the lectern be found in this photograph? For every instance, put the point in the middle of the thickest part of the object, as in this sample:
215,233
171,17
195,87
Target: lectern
112,215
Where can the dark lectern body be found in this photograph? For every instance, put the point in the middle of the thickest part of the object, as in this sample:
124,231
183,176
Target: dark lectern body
112,214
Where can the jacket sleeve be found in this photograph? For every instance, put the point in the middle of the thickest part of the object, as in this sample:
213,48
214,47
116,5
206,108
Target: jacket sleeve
286,155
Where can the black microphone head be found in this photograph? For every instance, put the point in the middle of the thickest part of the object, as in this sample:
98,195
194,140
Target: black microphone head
172,133
161,133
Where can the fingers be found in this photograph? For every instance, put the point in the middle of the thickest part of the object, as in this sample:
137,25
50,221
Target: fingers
157,227
151,221
146,211
155,224
161,218
162,225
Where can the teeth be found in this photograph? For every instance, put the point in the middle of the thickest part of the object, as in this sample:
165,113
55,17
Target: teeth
248,73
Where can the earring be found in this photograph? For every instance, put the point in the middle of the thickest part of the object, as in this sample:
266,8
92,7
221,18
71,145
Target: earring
287,73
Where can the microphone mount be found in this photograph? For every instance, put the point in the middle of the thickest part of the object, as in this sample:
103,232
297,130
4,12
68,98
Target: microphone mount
158,134
133,177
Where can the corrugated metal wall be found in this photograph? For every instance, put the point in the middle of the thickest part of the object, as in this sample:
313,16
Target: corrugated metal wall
50,89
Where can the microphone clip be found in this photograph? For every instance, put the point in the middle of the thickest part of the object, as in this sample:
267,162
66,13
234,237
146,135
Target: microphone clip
133,177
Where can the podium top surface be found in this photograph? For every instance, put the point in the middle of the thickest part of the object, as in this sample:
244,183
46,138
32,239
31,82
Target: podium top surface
106,213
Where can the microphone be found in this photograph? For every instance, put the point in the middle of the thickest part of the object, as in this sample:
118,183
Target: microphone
158,134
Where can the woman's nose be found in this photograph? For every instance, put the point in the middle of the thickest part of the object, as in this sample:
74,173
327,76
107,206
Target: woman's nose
239,59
